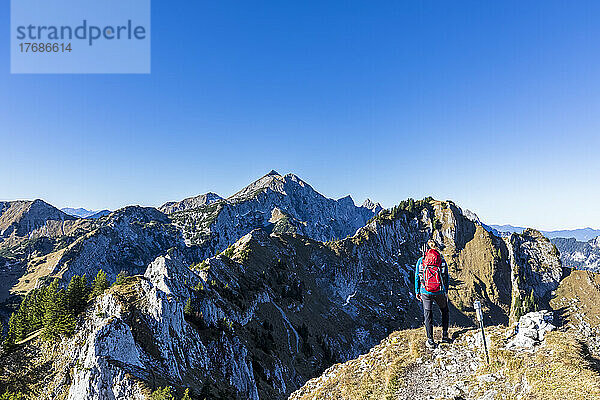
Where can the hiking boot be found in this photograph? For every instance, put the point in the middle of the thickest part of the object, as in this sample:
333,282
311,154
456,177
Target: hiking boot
431,344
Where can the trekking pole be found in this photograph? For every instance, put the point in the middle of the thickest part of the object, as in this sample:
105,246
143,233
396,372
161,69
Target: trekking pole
479,313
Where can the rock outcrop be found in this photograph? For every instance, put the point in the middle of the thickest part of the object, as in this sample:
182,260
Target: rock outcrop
535,266
531,329
190,203
134,338
579,255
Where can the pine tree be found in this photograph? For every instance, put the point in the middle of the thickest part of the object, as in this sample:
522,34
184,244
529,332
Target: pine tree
121,277
35,313
100,284
186,395
58,319
518,308
532,302
20,324
11,336
165,393
77,294
188,310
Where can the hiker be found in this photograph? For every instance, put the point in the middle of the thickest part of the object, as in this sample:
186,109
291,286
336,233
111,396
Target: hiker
431,285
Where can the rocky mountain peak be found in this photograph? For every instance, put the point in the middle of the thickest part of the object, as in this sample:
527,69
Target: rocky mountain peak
23,217
283,203
190,203
370,205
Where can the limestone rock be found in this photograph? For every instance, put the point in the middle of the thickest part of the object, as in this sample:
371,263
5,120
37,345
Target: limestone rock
531,329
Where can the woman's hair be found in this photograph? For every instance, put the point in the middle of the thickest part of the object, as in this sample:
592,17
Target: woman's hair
432,244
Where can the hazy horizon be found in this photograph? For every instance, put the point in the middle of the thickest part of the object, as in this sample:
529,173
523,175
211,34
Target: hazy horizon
358,202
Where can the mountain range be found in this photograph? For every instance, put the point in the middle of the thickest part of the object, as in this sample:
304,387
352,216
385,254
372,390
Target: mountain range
579,255
250,296
83,213
581,234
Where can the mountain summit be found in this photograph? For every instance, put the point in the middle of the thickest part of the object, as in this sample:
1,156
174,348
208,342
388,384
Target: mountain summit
274,202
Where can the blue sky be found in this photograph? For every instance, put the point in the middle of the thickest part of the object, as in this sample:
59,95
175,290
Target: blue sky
495,106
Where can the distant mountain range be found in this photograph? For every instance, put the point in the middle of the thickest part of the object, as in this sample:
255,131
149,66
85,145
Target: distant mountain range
83,213
581,234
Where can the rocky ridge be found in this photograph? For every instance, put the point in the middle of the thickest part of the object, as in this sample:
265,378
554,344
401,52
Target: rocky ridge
400,367
126,240
29,218
190,203
579,255
272,310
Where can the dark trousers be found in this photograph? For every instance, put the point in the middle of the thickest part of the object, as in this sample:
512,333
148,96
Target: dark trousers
442,303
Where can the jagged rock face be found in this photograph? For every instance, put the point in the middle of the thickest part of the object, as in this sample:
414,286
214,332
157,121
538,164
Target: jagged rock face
127,240
535,264
578,299
190,203
25,218
220,224
579,255
375,207
135,338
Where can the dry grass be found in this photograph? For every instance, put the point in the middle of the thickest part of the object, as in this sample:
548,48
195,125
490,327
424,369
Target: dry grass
374,375
579,293
37,268
559,370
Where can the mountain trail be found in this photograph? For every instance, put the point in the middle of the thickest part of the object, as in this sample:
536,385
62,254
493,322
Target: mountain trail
446,372
532,358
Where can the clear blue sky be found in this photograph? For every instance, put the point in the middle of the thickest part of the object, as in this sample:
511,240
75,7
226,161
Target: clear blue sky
495,106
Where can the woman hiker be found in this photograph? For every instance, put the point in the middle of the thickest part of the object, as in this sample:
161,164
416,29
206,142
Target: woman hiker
431,285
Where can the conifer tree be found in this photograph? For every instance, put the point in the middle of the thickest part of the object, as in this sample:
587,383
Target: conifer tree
35,313
58,320
186,395
188,310
121,277
11,336
518,308
100,284
165,393
77,294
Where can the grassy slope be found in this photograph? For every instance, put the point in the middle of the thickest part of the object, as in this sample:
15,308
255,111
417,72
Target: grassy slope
579,293
559,370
